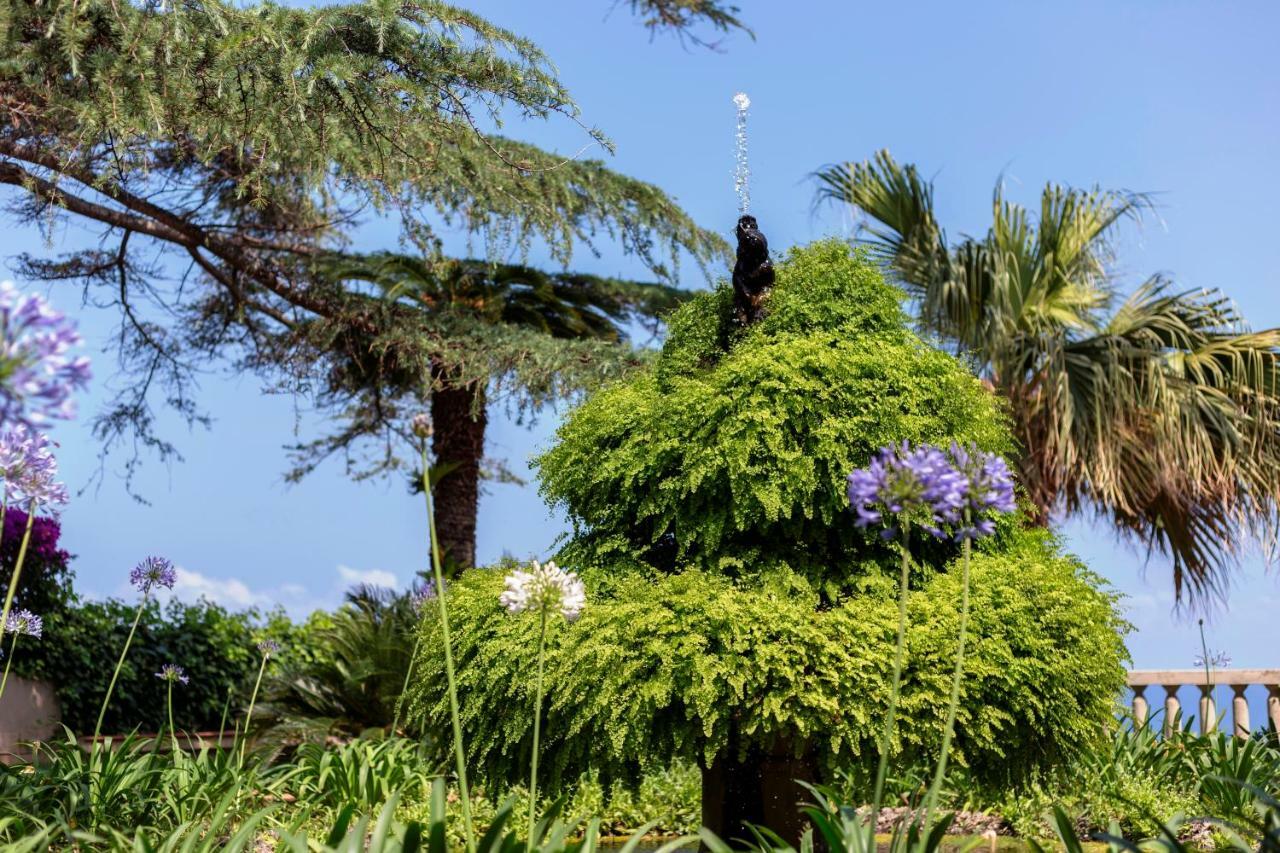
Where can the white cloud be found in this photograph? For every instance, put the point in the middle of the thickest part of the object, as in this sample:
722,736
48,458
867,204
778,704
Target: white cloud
372,577
230,592
297,599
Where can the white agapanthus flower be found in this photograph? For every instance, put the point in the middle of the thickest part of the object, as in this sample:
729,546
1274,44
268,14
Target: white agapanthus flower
545,587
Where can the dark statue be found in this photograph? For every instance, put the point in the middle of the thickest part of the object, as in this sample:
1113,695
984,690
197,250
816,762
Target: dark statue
752,274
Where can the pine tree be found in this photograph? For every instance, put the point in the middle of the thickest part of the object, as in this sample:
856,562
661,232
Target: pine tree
243,142
495,332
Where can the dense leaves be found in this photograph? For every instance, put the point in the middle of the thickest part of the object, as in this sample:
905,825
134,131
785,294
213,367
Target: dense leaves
735,460
660,667
728,587
215,646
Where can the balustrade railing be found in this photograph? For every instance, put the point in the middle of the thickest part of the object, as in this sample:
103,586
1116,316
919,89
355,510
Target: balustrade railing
1237,680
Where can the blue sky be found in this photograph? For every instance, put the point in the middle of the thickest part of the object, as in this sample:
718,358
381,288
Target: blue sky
1176,98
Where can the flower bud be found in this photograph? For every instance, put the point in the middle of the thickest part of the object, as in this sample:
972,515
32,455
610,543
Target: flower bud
422,426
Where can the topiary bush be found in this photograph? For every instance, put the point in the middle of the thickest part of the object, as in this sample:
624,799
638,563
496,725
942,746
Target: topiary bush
733,604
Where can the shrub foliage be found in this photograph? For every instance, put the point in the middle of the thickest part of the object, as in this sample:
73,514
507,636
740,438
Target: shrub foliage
214,645
731,599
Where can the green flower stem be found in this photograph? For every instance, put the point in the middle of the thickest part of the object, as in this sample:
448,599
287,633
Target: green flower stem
890,719
1208,677
13,647
222,724
464,794
17,567
949,730
408,674
173,732
106,700
537,727
253,697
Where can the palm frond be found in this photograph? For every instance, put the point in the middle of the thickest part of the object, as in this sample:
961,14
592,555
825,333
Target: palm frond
1157,410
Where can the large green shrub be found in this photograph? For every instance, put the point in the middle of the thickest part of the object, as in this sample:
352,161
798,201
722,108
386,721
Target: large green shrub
216,647
741,456
731,597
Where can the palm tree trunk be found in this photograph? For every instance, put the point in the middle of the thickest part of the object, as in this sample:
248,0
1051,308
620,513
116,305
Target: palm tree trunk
460,420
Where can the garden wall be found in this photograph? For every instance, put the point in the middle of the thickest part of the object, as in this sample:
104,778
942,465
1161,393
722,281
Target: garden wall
29,711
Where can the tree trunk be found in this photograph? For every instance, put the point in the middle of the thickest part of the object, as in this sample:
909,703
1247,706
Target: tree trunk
460,419
759,789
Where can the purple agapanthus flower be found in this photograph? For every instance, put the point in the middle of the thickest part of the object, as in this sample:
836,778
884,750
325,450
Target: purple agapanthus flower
37,373
988,491
268,647
39,487
1215,660
15,446
422,594
29,468
172,672
902,479
153,572
24,622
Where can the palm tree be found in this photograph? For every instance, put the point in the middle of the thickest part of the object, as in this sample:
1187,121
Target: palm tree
490,331
1156,409
354,676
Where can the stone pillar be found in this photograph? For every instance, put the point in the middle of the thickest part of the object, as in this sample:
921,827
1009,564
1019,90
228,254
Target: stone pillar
1208,711
1273,707
1171,707
1140,709
1239,711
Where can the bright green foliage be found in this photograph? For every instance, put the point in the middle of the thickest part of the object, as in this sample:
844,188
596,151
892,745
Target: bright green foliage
663,666
772,613
743,455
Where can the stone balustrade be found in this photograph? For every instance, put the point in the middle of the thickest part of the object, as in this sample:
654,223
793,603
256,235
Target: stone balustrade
1237,680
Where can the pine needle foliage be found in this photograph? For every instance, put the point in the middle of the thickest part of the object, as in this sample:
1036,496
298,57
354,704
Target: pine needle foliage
731,598
244,142
680,17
